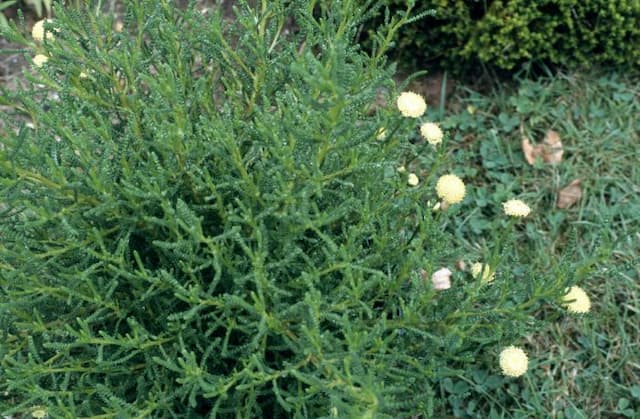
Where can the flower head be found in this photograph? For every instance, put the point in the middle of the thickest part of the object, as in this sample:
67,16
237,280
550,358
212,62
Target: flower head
411,104
441,279
431,132
38,33
38,412
40,59
516,208
450,188
513,361
483,271
381,134
576,300
413,179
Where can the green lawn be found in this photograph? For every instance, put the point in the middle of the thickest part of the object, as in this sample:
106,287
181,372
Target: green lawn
581,366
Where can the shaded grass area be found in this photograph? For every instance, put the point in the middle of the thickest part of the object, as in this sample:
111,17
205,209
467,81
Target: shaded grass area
581,366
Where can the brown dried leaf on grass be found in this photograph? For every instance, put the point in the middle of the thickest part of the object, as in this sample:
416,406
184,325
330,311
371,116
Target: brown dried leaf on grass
570,194
530,152
552,148
550,151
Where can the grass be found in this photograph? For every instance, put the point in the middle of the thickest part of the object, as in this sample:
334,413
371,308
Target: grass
581,367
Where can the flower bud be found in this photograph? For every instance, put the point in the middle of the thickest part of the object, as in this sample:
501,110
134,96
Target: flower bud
441,279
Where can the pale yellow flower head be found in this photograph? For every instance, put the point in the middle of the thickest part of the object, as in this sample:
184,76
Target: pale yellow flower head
478,272
413,179
516,208
513,361
37,31
431,132
381,134
441,279
576,300
411,104
40,59
450,188
39,413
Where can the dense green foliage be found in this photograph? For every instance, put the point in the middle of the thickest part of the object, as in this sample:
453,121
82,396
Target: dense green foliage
202,222
507,33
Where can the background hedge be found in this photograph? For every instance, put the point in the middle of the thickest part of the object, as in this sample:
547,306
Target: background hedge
507,33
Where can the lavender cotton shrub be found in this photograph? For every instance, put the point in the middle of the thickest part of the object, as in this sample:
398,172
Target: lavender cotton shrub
206,219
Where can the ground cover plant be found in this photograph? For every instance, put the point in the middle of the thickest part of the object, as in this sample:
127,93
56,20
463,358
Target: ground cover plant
215,220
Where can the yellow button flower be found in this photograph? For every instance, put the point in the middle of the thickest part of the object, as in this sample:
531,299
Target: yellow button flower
431,132
513,361
516,208
450,188
37,31
413,179
411,104
477,271
40,59
576,300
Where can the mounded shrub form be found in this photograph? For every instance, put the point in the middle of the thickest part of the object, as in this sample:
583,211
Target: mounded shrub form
206,218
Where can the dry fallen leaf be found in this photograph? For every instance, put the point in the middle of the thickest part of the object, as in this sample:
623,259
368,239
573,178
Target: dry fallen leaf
570,194
530,152
552,148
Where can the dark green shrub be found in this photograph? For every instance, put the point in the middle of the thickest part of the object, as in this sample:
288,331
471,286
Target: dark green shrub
506,33
202,222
